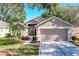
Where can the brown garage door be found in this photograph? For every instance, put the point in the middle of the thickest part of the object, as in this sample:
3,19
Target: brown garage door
53,34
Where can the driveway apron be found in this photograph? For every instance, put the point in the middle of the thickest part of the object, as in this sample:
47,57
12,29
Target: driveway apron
60,48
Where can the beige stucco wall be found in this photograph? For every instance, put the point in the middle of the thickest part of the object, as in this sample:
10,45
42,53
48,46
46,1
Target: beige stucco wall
56,30
54,23
24,32
3,32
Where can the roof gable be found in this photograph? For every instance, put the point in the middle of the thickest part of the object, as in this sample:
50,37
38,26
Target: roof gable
54,20
32,22
36,20
20,26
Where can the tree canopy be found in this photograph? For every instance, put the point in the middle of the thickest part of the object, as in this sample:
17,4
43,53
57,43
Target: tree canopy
12,13
67,13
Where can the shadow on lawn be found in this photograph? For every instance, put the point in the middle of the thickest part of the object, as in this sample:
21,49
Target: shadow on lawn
22,51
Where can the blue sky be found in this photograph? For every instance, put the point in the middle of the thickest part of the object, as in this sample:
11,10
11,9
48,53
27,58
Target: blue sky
32,13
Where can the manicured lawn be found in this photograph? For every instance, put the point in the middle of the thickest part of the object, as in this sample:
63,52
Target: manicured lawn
13,46
21,49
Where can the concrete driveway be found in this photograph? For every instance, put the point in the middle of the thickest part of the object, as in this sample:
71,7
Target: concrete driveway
60,48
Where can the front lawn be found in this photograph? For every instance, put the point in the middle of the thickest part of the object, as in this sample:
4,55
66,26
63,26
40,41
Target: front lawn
14,47
20,49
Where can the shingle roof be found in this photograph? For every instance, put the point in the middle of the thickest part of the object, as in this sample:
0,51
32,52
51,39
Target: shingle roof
50,19
38,19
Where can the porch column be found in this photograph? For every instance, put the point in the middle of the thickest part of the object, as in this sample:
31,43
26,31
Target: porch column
38,34
70,34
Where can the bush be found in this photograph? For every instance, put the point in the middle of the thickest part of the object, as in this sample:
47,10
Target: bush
24,38
13,41
8,35
74,38
27,38
34,38
8,41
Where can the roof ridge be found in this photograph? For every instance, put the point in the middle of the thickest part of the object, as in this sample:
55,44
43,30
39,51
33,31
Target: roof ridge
35,19
51,18
62,20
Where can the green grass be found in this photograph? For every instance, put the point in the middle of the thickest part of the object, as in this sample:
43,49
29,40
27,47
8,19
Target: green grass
8,41
17,48
21,49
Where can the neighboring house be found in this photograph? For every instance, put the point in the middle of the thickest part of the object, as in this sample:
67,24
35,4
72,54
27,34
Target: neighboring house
75,30
52,29
4,28
22,28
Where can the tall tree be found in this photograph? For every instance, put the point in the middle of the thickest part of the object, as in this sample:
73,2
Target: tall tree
12,13
67,13
50,7
70,14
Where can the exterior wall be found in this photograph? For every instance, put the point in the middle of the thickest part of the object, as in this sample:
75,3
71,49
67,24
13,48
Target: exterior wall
32,24
54,23
66,33
3,32
24,32
69,34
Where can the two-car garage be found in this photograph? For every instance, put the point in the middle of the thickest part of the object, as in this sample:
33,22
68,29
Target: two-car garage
50,35
54,29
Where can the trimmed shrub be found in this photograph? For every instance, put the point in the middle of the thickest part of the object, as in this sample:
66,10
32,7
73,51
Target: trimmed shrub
74,38
34,37
22,38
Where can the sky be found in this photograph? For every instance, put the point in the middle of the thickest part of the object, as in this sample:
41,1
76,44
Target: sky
32,13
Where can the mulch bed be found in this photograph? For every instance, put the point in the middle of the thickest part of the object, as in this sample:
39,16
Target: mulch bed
4,53
35,43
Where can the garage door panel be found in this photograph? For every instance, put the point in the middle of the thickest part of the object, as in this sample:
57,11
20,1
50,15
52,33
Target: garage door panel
53,34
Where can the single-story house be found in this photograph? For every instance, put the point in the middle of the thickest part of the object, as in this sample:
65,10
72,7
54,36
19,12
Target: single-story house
22,29
52,29
4,28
